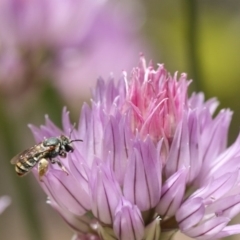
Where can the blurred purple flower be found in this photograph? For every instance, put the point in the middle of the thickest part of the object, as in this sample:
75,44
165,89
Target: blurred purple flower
5,201
31,23
62,40
153,161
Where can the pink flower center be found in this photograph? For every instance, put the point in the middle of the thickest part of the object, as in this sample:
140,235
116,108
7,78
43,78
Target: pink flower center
157,101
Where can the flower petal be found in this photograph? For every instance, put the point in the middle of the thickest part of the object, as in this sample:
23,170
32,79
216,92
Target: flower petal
195,146
227,231
5,201
190,213
67,192
179,154
116,143
217,188
142,184
227,207
77,223
128,222
208,229
105,192
172,193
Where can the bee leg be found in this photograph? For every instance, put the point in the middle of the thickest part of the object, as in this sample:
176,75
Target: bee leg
52,160
42,168
61,166
63,154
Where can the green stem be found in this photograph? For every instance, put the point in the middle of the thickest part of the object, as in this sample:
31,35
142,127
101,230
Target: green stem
168,235
192,36
51,102
22,187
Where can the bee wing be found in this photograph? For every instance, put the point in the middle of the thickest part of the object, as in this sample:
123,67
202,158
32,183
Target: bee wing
28,153
19,157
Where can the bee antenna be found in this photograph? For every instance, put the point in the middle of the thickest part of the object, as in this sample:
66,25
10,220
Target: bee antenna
71,131
76,140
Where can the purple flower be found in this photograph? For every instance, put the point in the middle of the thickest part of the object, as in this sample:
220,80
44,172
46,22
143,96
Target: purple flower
153,161
5,201
62,40
44,23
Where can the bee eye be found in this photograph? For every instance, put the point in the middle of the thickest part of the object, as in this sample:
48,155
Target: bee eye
69,148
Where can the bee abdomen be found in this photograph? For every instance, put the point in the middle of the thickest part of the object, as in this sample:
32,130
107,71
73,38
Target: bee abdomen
20,171
31,162
23,168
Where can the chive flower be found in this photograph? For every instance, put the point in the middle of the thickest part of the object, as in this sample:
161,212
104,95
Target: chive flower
153,161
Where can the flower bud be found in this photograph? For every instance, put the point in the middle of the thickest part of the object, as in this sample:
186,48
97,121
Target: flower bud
142,183
128,222
172,194
105,192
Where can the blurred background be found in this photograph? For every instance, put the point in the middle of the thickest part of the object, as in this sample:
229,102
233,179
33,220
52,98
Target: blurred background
52,52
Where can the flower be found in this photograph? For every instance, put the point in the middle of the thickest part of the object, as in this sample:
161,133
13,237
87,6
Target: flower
44,23
153,161
5,201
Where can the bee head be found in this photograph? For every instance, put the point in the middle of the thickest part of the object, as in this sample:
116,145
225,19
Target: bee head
66,143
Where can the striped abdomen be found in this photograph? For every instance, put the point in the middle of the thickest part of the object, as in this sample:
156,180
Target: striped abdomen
24,167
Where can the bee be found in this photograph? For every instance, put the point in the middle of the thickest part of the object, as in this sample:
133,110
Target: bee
43,153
